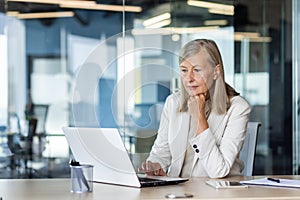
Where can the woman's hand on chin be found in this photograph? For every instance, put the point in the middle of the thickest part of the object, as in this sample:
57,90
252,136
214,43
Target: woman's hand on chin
196,108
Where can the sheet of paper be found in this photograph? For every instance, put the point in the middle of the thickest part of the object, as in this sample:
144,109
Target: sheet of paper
266,182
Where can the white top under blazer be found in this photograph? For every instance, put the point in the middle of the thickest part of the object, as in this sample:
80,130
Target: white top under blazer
216,150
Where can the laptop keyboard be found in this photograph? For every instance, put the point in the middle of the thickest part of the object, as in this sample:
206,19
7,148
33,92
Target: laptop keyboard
146,180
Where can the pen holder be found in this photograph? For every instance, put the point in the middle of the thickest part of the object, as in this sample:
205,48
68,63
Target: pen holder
81,178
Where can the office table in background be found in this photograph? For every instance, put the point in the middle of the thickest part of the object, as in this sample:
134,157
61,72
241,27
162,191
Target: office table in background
37,189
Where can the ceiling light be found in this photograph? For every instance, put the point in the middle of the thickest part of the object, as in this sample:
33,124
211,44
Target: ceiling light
258,39
156,19
106,7
217,8
77,3
44,15
251,36
221,12
172,30
12,13
187,30
205,4
175,37
46,1
160,24
219,22
247,34
85,4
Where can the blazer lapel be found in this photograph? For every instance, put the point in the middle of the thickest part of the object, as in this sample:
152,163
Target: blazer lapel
179,142
214,121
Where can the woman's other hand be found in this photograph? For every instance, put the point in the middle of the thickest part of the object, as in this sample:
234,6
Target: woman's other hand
151,168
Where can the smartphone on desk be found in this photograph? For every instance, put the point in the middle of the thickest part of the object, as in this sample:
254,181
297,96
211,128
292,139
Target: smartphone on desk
221,184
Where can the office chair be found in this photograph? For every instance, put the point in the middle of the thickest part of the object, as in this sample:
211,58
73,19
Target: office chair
5,152
247,153
21,145
40,112
27,143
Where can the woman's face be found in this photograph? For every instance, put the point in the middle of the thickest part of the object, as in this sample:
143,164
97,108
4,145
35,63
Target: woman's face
197,74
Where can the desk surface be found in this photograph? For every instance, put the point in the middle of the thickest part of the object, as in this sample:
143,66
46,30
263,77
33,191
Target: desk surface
37,189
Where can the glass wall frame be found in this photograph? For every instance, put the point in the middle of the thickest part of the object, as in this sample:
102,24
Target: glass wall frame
296,92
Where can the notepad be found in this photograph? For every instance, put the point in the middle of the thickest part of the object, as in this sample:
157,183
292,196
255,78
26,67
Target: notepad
265,182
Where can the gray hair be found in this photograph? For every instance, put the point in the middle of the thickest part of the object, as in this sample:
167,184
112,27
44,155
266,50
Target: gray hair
221,92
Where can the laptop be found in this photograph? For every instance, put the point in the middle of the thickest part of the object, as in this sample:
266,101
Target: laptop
104,149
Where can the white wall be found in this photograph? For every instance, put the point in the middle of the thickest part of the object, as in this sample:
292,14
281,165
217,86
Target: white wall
15,32
3,80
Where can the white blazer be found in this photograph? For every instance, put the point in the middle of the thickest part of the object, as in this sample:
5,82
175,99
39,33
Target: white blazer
216,149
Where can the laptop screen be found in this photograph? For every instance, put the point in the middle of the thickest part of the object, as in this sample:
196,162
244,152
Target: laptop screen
103,148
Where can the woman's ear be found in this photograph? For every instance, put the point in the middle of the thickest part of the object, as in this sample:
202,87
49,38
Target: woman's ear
217,71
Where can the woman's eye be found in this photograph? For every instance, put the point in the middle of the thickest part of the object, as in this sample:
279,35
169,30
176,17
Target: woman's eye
183,70
197,70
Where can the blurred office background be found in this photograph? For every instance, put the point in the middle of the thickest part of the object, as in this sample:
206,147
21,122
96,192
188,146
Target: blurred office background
112,63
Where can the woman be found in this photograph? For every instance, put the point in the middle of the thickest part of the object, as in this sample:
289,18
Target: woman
203,127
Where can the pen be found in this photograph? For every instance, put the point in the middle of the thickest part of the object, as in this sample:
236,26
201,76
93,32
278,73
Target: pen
274,180
79,175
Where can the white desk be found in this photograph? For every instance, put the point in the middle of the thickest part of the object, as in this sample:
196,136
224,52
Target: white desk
56,189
